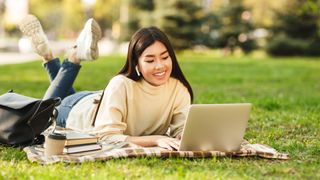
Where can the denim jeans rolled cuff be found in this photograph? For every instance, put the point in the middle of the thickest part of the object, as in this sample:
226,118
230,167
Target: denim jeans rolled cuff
67,104
61,86
52,67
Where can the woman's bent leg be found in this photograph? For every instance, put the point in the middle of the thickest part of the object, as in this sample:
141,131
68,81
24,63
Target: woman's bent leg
52,67
61,85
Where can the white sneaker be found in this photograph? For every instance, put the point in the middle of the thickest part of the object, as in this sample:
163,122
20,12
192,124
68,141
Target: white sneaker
87,42
32,29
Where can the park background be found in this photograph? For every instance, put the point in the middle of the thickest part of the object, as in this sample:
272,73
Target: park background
281,27
261,51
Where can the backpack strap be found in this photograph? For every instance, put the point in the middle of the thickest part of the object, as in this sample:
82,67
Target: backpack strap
97,110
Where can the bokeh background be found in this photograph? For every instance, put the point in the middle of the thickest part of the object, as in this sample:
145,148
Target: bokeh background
276,27
229,51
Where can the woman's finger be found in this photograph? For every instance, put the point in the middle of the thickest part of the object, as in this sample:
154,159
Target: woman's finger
176,141
165,145
174,145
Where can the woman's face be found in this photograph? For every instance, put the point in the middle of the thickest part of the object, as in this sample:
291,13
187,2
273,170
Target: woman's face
155,64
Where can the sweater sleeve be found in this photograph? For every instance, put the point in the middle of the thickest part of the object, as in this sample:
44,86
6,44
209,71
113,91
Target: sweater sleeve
180,112
109,123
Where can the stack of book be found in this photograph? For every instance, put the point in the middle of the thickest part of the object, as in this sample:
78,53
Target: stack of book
78,142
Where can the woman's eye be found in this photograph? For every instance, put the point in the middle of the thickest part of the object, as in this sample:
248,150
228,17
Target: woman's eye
149,61
164,58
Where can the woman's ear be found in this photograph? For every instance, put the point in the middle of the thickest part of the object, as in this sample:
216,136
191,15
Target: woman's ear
137,70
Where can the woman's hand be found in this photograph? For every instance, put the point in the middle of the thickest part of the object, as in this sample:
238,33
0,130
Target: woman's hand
156,140
168,143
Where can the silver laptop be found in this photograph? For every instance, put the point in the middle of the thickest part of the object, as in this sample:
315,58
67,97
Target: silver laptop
215,127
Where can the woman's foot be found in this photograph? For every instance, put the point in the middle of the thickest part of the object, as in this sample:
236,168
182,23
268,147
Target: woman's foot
87,42
31,28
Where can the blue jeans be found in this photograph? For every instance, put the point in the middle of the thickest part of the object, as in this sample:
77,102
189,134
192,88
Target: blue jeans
61,78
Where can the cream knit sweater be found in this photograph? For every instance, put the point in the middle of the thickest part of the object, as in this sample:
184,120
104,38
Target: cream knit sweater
133,108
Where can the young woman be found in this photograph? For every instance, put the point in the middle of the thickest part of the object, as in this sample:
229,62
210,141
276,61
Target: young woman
146,103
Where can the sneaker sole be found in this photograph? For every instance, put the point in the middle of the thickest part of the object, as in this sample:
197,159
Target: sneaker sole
96,36
87,46
31,27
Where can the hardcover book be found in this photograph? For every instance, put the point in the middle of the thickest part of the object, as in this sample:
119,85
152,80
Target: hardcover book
80,138
81,148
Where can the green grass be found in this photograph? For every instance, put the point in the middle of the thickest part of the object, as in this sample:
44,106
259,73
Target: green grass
286,110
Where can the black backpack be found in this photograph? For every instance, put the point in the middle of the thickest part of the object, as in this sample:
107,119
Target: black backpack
23,118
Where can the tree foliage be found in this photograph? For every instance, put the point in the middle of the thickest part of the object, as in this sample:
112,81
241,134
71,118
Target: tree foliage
297,29
143,4
235,27
73,15
49,13
60,18
181,20
2,7
2,10
106,12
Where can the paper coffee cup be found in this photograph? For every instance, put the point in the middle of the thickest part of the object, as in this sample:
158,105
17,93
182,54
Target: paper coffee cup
54,144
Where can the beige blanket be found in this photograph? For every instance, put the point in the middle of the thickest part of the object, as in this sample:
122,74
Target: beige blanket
115,150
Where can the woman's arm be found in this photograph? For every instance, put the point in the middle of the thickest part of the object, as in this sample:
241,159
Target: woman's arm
180,112
155,140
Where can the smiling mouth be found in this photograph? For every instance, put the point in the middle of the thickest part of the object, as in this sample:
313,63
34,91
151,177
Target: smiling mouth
160,73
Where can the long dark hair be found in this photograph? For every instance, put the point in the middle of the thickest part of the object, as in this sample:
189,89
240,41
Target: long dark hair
142,39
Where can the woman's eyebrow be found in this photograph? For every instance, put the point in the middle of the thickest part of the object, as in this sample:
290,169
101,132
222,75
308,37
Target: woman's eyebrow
149,55
164,52
152,55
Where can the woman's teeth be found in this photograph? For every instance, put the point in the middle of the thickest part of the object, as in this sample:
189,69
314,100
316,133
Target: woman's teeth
160,74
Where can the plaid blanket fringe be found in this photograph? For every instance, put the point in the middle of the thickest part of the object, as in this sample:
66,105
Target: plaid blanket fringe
35,154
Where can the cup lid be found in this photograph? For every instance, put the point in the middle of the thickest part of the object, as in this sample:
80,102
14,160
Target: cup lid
57,136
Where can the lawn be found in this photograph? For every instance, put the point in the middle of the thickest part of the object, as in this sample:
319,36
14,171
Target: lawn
285,93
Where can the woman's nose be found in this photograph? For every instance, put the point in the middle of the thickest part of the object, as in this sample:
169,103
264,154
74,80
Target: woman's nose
159,65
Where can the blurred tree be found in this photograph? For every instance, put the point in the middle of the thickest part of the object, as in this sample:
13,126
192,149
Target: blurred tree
140,16
49,13
210,30
73,17
297,29
181,20
106,12
236,27
129,18
144,12
2,10
263,10
117,16
57,21
143,4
